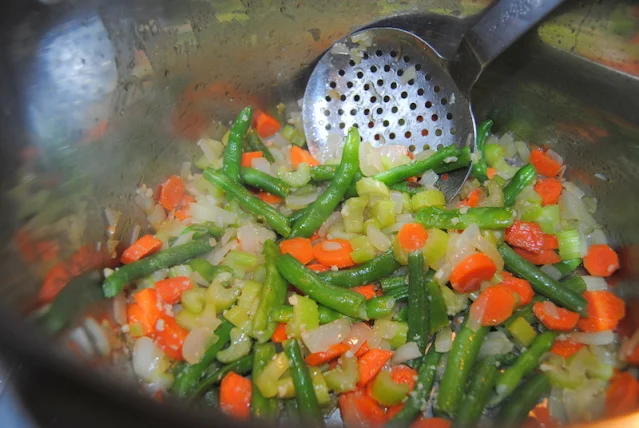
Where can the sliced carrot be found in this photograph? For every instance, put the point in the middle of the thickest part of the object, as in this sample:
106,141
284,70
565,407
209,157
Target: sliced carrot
265,124
526,235
601,260
554,317
148,244
334,252
371,363
136,315
299,155
393,410
171,289
471,272
545,257
317,267
279,335
362,350
57,278
235,396
549,189
47,250
519,286
604,310
269,198
367,291
169,337
544,164
247,158
565,348
550,242
491,173
360,411
171,192
423,422
412,236
300,248
404,374
319,358
473,199
147,298
497,304
622,395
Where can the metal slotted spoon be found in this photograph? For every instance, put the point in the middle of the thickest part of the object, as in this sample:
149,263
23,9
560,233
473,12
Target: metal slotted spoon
397,89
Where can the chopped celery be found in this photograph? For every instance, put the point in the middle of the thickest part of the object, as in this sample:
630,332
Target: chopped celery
393,331
427,198
547,217
384,212
494,153
455,302
363,250
293,135
180,270
208,317
388,162
206,270
240,261
501,181
435,248
371,222
344,377
495,194
223,297
561,377
386,391
353,214
249,299
368,186
285,387
305,316
266,381
405,201
584,359
569,244
239,317
240,346
504,169
400,254
193,300
186,319
522,332
320,387
298,178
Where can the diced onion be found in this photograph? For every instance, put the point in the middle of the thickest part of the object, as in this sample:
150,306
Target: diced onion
331,246
145,203
485,246
496,343
183,239
261,164
135,234
443,273
595,283
597,237
157,216
98,336
301,200
398,200
185,171
598,338
80,337
119,309
327,335
628,346
378,239
113,216
508,143
523,151
572,188
476,314
252,237
330,221
555,156
550,309
146,357
406,352
444,340
219,252
196,343
429,178
551,271
409,74
360,333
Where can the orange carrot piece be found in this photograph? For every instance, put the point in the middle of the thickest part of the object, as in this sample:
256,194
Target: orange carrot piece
360,411
319,358
136,315
317,267
169,337
279,335
57,278
269,198
235,396
601,260
519,286
545,257
423,422
412,236
371,363
147,298
265,124
526,235
334,252
554,317
300,248
404,374
171,192
367,291
473,198
498,304
362,350
146,245
604,310
299,155
544,164
622,395
550,242
171,289
491,173
565,348
471,272
247,158
549,189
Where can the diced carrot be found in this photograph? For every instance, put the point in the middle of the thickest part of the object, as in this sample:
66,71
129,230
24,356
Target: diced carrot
423,422
84,259
491,173
169,337
545,257
300,248
604,310
549,189
412,179
146,320
565,348
317,267
526,235
269,198
544,164
247,158
47,250
473,198
367,291
148,244
495,305
319,358
404,374
147,298
299,155
601,260
265,124
622,395
334,252
550,242
181,213
171,192
554,317
540,418
471,272
57,278
235,396
444,176
279,335
362,350
393,410
519,286
371,363
360,411
412,236
171,289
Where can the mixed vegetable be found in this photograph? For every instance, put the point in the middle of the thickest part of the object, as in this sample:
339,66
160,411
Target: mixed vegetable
276,286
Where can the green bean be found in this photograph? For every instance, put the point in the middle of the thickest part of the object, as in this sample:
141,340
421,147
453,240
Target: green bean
393,283
366,273
522,179
256,145
304,391
402,315
418,321
479,170
240,366
541,283
261,406
249,202
416,401
296,216
317,212
576,284
207,271
485,218
323,172
525,364
438,314
188,376
459,365
399,294
261,180
284,314
407,187
485,375
342,300
204,229
232,159
523,400
273,295
463,160
146,266
566,267
380,307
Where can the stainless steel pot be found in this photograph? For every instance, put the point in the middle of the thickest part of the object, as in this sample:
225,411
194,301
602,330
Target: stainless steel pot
98,97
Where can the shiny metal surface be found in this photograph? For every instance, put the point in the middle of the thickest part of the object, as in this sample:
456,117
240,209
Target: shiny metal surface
144,79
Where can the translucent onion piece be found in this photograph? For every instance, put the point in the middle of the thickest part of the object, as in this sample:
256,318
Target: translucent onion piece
98,336
595,283
496,343
327,335
146,357
429,178
196,343
406,352
551,271
330,221
119,309
598,338
444,340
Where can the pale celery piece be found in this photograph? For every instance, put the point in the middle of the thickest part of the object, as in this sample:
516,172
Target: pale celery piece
371,222
393,331
455,302
298,178
398,252
180,270
435,248
305,316
547,217
250,297
267,380
222,296
285,387
193,300
363,250
386,391
427,198
345,376
569,244
353,214
384,212
494,153
523,333
319,385
239,317
241,262
293,135
240,346
368,186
